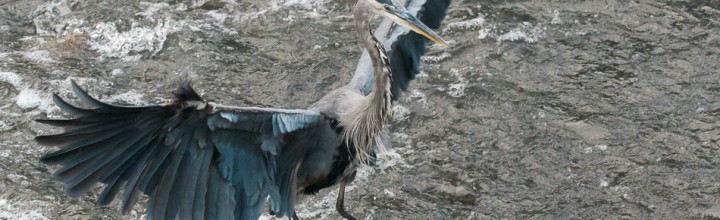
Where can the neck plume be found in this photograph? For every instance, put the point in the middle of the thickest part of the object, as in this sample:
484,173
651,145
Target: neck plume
365,121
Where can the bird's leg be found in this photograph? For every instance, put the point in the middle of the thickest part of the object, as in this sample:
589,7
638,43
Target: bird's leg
340,204
294,216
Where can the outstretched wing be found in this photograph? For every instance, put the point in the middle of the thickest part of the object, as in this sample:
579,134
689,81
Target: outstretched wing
195,160
405,52
404,47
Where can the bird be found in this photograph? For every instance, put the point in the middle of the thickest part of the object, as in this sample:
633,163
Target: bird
203,160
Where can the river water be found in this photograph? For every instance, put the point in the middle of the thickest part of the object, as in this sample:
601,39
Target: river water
538,110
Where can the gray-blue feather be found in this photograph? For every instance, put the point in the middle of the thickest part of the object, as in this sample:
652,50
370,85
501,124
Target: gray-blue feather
216,162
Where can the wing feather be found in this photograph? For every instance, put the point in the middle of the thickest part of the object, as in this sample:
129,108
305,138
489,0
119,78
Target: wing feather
406,50
216,162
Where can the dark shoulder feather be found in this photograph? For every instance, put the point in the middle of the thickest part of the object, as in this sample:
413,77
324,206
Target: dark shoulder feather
186,93
405,52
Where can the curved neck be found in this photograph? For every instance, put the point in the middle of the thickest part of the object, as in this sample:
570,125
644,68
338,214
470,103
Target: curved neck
378,56
365,121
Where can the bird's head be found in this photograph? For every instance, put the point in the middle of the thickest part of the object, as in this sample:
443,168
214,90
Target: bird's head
396,11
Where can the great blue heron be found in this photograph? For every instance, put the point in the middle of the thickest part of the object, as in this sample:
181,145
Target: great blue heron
202,160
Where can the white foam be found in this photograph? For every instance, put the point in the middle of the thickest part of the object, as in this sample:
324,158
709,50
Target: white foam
151,9
483,33
4,126
116,72
44,17
400,136
251,16
604,183
12,78
389,159
576,33
400,113
130,97
422,74
556,17
388,193
27,98
541,115
417,96
8,210
456,73
219,17
298,4
53,19
39,56
30,98
601,147
106,39
435,59
516,34
526,32
465,24
457,89
296,9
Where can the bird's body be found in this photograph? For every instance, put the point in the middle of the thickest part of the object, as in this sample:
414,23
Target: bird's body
202,160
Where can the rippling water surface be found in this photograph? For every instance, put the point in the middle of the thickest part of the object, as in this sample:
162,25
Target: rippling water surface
538,110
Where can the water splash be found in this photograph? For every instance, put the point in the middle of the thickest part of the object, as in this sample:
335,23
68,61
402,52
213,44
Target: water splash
526,32
457,90
27,98
106,39
400,113
10,211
